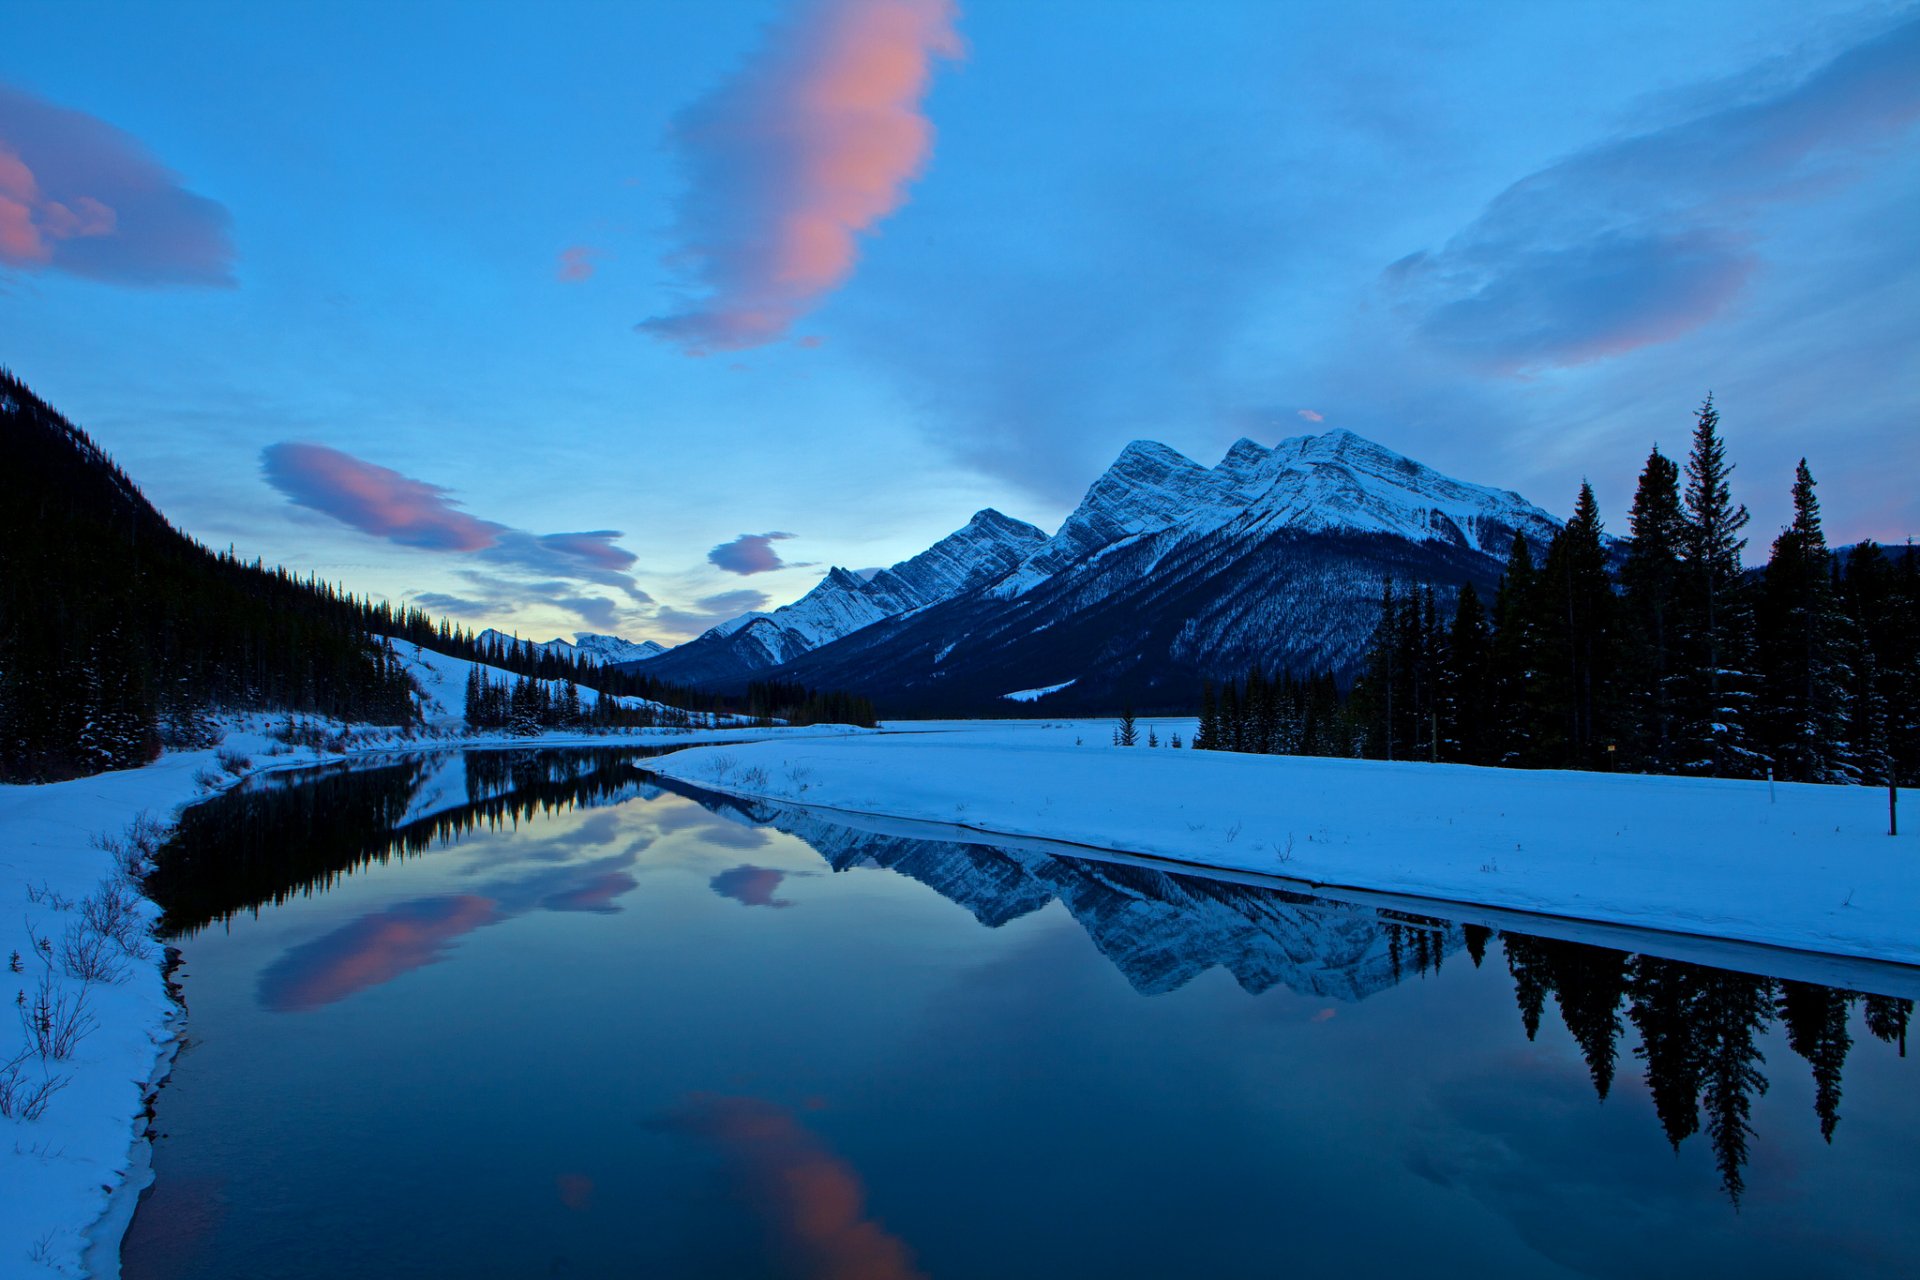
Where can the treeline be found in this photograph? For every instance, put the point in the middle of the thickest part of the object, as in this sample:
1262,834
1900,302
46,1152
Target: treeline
114,624
1283,716
769,701
1661,654
526,706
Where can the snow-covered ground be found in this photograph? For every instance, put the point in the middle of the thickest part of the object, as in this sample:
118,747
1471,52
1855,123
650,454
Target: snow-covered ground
1790,865
72,1175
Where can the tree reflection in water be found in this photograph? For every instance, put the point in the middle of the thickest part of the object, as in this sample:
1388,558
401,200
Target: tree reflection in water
1698,1027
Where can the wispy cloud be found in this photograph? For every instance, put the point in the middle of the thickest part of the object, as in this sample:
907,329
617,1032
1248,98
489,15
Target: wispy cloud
750,553
811,143
809,1195
576,263
1642,240
1310,415
512,567
751,886
78,195
374,499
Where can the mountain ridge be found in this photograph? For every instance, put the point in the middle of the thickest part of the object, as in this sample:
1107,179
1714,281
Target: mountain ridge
1167,573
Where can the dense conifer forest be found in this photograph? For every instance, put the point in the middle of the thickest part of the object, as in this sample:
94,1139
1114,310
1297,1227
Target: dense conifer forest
118,633
1656,653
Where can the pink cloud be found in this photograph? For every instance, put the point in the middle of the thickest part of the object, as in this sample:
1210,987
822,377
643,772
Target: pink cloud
1312,416
80,196
749,553
372,950
812,1198
374,499
811,144
751,886
576,263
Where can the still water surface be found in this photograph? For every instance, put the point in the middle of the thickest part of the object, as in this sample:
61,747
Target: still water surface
524,1014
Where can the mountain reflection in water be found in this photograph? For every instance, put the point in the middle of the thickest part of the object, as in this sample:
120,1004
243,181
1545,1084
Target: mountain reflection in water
1695,1028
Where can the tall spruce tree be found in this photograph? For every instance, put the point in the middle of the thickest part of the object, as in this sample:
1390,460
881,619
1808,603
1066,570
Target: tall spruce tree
1573,609
1466,680
1804,659
1650,609
1716,650
1516,657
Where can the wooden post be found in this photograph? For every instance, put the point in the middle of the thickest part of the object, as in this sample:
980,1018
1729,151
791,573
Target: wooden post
1893,809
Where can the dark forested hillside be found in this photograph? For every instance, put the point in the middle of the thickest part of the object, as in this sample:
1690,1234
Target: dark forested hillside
117,629
111,620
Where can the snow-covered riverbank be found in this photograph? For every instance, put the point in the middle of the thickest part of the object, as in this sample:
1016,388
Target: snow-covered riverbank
1806,867
73,1173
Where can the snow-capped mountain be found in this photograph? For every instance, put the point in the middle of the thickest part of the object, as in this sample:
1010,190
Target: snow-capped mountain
602,649
1161,930
974,556
1169,572
606,650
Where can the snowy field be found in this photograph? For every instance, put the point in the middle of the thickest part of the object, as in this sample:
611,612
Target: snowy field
73,1174
1792,865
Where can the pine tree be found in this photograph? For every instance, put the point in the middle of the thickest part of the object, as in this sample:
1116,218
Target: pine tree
1466,682
1716,661
1516,655
1804,661
1573,609
1650,605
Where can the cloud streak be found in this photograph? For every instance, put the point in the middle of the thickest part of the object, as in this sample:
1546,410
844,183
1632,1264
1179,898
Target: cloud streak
810,145
559,569
751,886
812,1198
576,264
374,499
1643,240
79,196
750,553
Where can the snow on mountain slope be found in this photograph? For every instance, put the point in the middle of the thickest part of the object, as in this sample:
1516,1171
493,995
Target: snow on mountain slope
603,649
442,682
1335,482
1161,930
606,650
977,554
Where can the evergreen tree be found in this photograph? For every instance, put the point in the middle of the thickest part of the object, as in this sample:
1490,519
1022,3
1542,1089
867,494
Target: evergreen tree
1516,656
1816,1022
1650,606
1572,614
1716,652
1804,663
1466,682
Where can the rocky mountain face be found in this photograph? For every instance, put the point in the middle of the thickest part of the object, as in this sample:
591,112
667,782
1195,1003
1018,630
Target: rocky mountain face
602,649
1161,930
1169,572
974,556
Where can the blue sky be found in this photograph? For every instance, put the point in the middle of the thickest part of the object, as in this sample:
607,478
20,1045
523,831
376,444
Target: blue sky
405,294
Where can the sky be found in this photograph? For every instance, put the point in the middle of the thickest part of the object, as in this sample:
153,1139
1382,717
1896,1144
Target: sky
631,317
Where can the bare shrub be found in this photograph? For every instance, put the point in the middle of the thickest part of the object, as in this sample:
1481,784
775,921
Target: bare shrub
722,767
23,1098
91,956
41,895
206,779
232,761
755,777
113,911
55,1019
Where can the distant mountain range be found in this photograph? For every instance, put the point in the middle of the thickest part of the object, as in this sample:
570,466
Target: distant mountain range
1167,573
605,650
